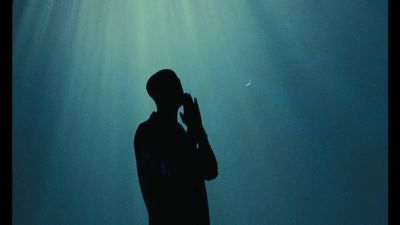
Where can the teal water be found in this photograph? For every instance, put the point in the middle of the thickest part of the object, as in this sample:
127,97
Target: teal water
293,95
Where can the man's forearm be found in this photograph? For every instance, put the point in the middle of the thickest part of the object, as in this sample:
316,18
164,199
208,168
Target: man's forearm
210,162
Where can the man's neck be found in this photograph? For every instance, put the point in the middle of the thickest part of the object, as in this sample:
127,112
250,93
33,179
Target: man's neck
169,116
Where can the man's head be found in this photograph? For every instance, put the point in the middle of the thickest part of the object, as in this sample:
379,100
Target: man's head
165,88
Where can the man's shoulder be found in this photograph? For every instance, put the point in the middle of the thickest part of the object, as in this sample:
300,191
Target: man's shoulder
146,125
144,129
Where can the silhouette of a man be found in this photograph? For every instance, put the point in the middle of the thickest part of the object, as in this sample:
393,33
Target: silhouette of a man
172,162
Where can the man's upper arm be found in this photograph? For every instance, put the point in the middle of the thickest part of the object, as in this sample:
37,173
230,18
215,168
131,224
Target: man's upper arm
148,155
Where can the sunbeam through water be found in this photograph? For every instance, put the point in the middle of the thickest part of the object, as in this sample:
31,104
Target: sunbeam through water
293,95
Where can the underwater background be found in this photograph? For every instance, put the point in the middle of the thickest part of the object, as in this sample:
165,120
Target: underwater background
293,95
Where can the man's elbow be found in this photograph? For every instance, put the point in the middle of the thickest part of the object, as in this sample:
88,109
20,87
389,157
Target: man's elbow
211,175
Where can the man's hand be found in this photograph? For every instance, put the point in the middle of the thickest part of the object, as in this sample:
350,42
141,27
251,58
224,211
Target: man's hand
191,116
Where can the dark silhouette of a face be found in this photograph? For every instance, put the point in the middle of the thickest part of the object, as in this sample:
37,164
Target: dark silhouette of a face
166,90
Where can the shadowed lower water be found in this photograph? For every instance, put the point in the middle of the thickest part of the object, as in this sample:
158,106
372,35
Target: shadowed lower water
293,95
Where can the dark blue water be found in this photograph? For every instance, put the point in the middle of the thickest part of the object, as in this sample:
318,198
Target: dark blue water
293,95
